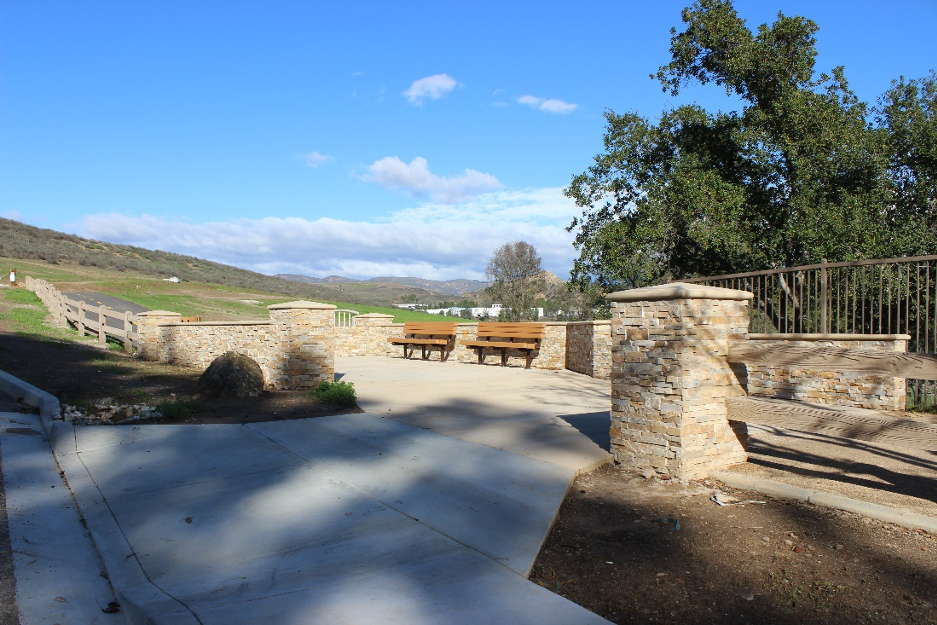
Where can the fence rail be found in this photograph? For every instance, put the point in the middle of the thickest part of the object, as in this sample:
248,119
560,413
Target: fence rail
87,319
884,296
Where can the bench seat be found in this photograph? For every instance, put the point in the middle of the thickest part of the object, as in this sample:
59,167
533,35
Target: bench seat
528,337
426,334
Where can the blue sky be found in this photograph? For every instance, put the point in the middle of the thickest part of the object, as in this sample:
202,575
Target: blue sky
355,138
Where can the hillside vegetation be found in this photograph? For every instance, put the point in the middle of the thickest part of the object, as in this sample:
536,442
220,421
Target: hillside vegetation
212,302
24,242
212,290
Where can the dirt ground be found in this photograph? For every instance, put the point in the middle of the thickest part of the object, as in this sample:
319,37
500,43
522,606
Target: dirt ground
630,549
648,551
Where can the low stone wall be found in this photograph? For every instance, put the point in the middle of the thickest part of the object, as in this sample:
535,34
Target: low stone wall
589,348
295,348
586,350
830,386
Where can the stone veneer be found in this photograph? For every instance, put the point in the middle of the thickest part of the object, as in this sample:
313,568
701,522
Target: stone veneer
295,348
589,352
671,378
589,348
830,386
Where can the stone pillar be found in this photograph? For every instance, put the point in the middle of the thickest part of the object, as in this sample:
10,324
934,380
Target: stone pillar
149,335
671,378
305,334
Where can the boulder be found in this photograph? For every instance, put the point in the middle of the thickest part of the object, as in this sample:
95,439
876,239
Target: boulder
232,375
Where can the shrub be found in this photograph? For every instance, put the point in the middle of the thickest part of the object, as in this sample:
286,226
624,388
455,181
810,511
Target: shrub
341,393
177,408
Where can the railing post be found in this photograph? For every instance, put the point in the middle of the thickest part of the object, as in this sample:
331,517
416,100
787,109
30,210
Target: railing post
81,318
824,315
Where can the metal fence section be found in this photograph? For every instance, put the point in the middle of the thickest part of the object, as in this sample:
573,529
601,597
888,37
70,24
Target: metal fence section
886,296
345,318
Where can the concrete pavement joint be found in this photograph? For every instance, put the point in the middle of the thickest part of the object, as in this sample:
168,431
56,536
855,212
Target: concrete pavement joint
909,520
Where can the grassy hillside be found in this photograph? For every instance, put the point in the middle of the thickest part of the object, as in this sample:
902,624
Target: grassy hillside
212,302
67,252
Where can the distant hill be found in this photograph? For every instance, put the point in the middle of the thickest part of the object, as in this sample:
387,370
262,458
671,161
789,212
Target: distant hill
456,288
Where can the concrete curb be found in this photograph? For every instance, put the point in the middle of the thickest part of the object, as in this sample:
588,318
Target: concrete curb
910,520
49,407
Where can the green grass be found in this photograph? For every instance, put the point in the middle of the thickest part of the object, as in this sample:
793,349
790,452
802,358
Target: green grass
29,319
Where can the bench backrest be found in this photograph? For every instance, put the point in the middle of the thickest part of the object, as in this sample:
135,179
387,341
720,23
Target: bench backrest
500,329
430,327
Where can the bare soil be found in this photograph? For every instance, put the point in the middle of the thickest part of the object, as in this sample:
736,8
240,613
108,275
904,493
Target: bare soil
648,551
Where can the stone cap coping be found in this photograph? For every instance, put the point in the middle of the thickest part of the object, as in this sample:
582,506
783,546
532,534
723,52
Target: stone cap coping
158,313
595,322
246,322
829,337
303,305
678,290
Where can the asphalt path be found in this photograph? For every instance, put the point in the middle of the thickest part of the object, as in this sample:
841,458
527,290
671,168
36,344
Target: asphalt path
116,304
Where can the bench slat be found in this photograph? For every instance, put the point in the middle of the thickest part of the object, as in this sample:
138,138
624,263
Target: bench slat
508,344
415,341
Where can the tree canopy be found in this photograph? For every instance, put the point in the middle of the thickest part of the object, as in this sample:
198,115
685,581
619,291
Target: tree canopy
798,174
514,272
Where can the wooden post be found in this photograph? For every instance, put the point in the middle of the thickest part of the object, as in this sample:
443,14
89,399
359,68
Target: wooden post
81,318
128,344
102,323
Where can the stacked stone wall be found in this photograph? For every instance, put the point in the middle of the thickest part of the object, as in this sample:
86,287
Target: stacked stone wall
830,386
589,348
198,344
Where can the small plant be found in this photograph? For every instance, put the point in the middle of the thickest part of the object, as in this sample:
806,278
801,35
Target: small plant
175,409
341,393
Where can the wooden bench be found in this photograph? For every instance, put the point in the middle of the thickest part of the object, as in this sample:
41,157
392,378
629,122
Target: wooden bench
525,337
426,334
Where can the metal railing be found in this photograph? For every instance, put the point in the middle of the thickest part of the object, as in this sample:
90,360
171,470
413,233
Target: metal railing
885,296
345,318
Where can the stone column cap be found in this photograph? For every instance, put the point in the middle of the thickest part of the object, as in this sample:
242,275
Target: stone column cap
301,304
158,313
678,290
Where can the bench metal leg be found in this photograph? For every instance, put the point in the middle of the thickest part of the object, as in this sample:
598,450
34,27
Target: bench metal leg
423,351
504,356
530,356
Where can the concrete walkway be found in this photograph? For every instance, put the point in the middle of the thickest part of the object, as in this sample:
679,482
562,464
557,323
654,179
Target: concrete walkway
346,519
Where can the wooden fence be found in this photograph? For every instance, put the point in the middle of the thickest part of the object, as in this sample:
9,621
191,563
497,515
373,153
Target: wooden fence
85,318
884,296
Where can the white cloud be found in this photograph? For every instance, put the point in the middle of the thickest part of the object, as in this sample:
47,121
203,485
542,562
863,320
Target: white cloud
416,179
314,159
430,240
14,215
432,87
550,106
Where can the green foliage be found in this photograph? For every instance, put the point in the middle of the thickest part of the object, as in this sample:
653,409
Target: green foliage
179,408
341,393
514,272
798,175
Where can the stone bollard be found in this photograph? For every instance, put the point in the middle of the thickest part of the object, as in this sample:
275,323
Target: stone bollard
305,334
149,335
671,378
